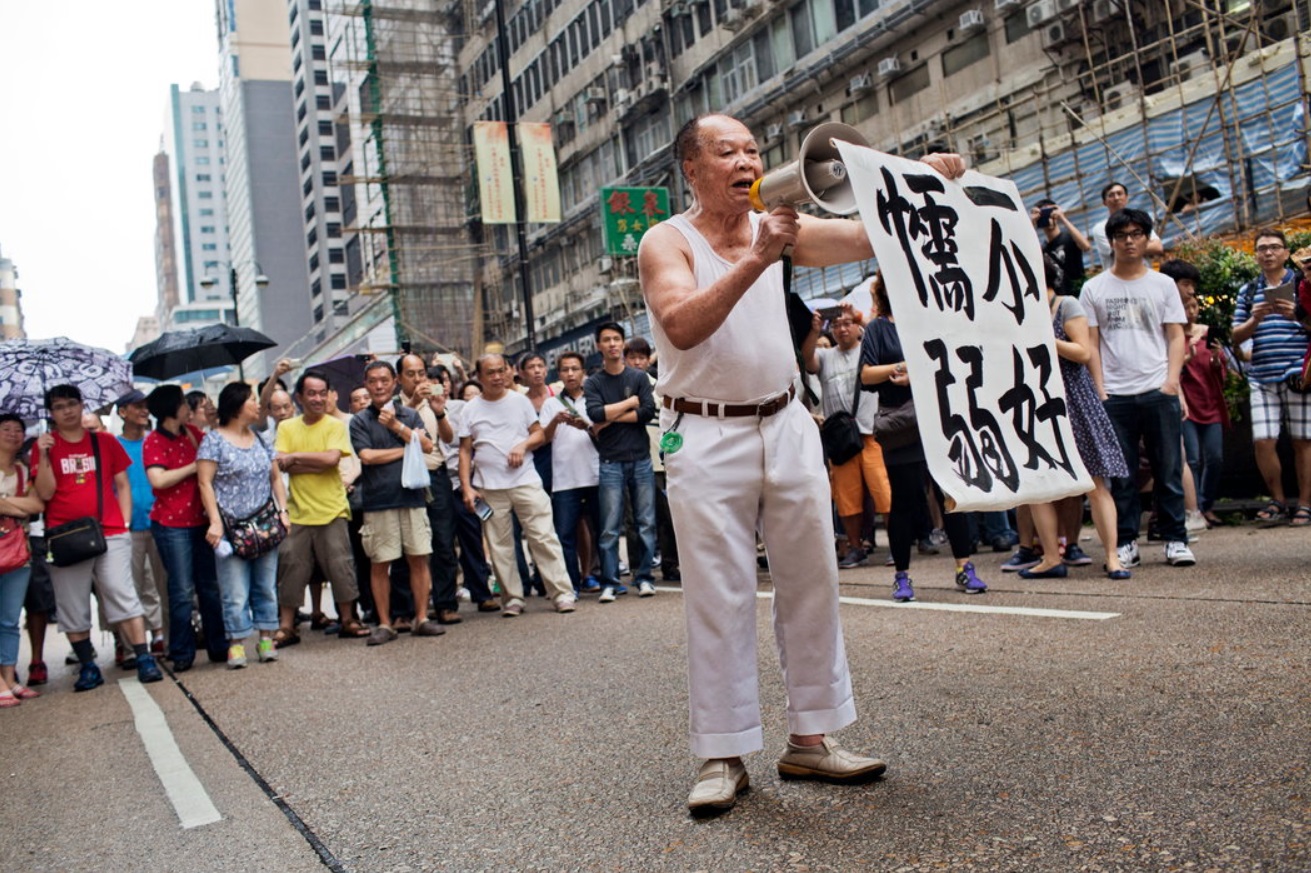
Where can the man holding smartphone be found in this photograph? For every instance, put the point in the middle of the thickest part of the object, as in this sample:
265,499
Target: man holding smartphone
498,432
1062,241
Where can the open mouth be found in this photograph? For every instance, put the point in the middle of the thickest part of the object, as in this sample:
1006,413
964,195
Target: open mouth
744,184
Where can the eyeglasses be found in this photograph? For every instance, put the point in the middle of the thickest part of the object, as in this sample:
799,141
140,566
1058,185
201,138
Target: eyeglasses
1268,249
1134,235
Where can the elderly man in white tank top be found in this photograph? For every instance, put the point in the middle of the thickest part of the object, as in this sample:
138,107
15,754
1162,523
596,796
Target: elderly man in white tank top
749,458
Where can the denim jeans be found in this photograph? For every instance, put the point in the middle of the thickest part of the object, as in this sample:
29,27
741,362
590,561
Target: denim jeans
568,507
250,594
13,588
1204,444
189,565
1154,418
637,480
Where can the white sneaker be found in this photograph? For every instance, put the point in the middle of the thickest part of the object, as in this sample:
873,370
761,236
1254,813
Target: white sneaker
565,603
462,594
607,594
645,589
1194,522
1178,554
1129,556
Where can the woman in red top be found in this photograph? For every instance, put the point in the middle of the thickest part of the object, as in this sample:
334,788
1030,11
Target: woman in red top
1202,383
178,523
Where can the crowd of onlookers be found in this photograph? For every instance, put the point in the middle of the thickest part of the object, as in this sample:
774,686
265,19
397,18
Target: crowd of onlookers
428,486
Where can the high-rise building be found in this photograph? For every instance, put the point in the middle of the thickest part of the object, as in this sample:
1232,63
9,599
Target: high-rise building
191,234
11,301
262,174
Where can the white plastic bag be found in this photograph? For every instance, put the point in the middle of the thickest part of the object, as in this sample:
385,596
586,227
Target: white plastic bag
413,472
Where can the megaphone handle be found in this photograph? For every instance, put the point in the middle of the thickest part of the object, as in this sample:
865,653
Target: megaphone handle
786,254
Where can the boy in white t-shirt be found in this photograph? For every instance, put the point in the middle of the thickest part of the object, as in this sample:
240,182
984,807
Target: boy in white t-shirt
1136,322
498,432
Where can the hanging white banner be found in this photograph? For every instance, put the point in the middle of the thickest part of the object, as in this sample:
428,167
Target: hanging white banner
964,275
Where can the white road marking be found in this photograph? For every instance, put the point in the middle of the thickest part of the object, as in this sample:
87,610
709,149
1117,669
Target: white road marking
188,796
1032,611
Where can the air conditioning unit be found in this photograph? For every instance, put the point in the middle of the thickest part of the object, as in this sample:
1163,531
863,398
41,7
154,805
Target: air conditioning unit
623,98
971,20
1104,10
733,19
605,265
1279,28
1056,34
1190,65
563,118
889,66
773,131
1064,6
1121,95
655,70
1040,13
1007,5
796,119
596,95
859,84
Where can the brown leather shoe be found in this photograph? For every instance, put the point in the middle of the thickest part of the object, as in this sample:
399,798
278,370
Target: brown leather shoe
448,616
492,605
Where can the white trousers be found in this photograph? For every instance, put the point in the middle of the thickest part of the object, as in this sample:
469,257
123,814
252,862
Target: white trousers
731,477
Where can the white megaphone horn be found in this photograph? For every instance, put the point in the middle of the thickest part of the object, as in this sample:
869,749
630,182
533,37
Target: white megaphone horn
817,175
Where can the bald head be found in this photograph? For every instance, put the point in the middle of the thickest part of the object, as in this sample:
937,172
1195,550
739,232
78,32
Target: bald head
691,138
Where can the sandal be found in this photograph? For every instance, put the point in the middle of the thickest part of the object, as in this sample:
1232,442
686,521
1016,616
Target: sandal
1274,511
1300,518
283,637
353,628
319,621
7,699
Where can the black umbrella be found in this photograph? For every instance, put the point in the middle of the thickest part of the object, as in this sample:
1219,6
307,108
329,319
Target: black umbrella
200,348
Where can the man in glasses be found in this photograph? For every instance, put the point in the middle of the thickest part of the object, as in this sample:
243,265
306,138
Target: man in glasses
1136,319
1265,313
1116,197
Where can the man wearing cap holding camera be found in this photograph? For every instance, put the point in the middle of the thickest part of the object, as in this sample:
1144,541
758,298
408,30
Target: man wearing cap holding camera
741,453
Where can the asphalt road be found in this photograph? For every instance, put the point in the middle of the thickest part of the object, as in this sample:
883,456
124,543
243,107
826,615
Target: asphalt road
1171,734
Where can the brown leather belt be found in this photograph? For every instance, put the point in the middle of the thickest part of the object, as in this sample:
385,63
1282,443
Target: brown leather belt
732,410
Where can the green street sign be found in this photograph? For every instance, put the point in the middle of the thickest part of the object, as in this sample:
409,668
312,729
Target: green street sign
628,212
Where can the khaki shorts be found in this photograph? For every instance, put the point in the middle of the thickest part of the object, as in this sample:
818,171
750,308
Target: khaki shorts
388,533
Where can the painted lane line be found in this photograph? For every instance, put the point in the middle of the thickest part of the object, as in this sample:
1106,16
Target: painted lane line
188,796
1031,611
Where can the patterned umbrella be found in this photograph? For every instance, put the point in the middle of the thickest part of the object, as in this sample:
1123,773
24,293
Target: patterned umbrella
29,367
200,348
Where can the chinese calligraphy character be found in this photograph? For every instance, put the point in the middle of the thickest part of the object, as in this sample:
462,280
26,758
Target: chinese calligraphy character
977,448
651,206
1026,412
1019,274
620,204
933,227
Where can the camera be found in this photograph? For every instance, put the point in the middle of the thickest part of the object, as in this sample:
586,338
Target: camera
1045,216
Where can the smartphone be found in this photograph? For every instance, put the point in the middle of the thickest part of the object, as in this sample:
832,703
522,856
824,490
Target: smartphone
481,509
828,313
1279,293
1045,216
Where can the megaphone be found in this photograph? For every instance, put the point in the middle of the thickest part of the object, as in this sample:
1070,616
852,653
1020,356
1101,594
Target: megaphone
817,175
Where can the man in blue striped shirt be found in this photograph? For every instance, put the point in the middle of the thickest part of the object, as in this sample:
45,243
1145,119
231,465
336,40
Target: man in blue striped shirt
1279,343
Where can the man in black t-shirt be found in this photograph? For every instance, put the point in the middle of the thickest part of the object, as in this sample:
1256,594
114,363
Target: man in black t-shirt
621,402
1062,241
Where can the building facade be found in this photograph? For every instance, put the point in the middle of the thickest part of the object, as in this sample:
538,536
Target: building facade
11,301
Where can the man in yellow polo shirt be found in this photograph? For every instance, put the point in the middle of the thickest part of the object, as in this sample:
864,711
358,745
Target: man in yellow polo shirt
309,448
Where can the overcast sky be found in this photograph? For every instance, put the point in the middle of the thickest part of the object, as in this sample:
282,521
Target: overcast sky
83,90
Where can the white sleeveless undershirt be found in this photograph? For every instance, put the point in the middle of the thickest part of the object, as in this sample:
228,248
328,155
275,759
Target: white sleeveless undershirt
749,359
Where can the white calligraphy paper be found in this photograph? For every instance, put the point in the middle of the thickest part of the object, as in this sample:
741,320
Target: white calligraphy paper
965,279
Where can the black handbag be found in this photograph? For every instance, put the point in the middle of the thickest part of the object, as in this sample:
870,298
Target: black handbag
840,432
82,538
896,427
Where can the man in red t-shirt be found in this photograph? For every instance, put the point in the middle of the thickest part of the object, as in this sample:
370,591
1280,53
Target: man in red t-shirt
67,471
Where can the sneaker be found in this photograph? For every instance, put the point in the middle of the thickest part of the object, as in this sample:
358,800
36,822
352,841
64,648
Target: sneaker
828,762
1075,556
607,594
1178,554
1023,558
852,559
645,589
463,595
236,656
1129,556
620,590
88,678
889,561
268,651
968,581
902,592
38,673
513,609
718,783
148,670
624,569
1194,522
927,546
590,585
565,603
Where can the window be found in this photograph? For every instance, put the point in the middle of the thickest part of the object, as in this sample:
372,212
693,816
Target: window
803,33
198,110
316,27
318,53
912,83
205,213
205,195
325,128
320,77
207,228
1017,27
203,177
199,125
209,247
200,143
738,71
314,262
334,229
329,178
327,153
309,211
958,57
844,13
339,281
336,256
332,204
322,101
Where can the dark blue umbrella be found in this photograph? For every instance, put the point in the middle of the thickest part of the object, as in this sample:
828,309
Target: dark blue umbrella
200,348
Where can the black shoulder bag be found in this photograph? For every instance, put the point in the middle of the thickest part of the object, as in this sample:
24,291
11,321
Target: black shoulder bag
840,432
82,538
